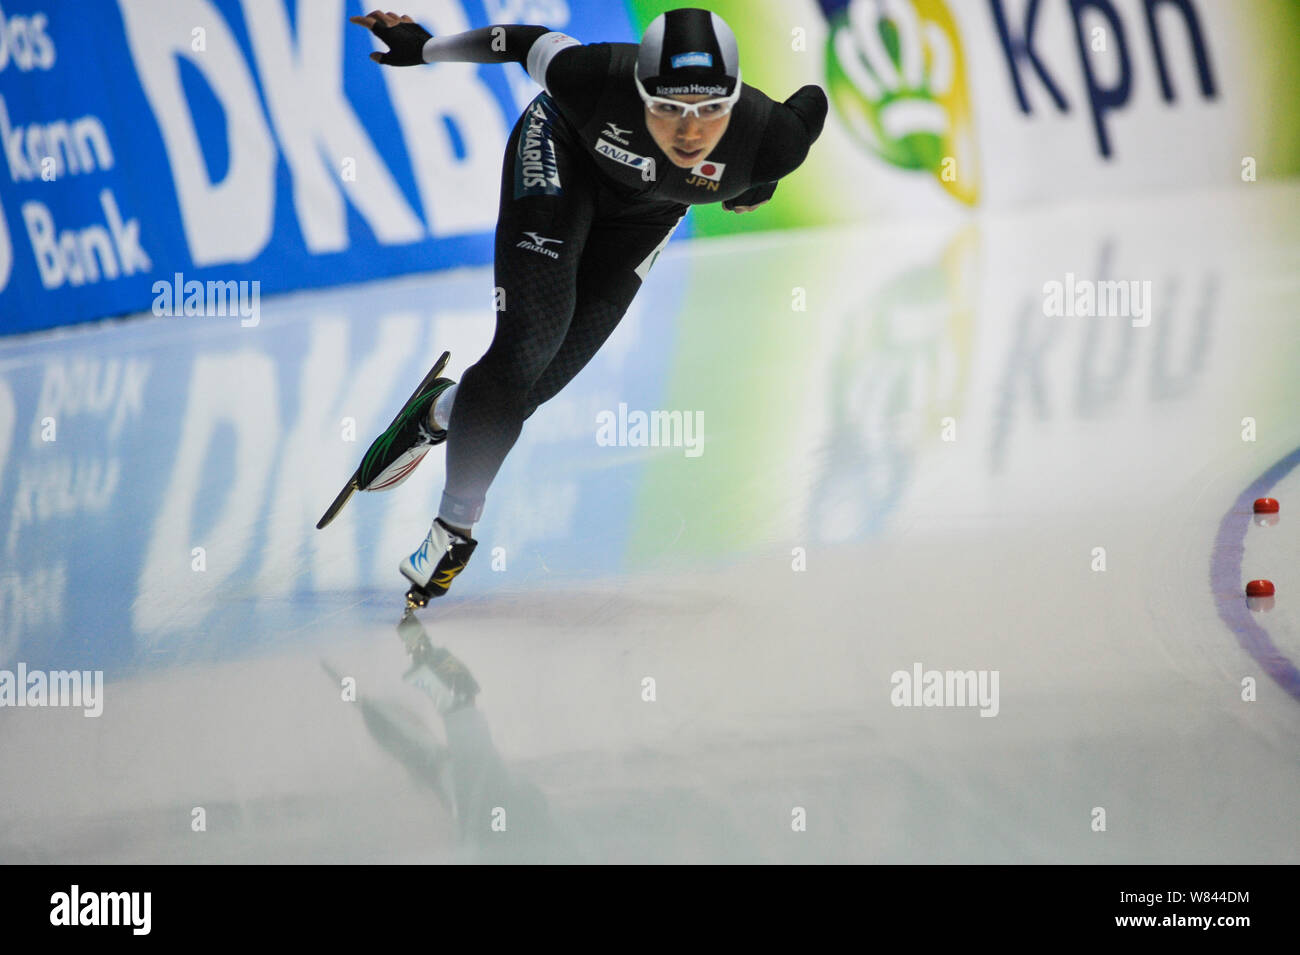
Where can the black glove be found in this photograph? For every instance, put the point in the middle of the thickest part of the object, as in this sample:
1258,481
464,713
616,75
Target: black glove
405,43
751,196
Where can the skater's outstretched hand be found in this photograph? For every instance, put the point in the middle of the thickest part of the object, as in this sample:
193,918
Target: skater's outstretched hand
405,37
751,198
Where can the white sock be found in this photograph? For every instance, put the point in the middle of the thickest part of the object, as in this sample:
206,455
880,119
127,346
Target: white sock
442,407
468,529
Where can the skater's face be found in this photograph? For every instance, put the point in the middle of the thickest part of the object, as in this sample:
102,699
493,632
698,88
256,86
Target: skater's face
687,140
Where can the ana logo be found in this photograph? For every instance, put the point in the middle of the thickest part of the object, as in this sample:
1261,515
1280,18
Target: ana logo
616,133
897,78
692,59
538,244
610,151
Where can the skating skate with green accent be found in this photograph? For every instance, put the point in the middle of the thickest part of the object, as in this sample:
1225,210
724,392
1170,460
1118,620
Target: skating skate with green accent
394,454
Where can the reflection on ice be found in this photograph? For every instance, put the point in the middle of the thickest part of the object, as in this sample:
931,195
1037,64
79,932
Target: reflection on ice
919,464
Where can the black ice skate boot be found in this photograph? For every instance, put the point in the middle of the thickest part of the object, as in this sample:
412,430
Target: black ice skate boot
438,560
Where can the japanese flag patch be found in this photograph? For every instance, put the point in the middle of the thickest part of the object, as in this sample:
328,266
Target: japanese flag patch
709,170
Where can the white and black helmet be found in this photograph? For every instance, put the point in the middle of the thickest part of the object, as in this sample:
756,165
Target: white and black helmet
688,52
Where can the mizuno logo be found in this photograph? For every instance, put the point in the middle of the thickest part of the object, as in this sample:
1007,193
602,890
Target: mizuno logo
616,133
538,244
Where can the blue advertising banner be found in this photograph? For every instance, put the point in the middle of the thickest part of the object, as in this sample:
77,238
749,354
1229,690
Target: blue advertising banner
158,149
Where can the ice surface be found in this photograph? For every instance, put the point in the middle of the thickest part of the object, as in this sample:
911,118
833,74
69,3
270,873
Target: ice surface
824,448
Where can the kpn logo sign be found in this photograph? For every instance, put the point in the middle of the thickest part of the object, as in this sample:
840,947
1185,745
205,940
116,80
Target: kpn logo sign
897,79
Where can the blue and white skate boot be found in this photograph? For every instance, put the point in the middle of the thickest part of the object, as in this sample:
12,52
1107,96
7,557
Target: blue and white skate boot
435,564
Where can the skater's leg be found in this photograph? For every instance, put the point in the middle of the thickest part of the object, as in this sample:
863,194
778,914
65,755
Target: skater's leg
564,284
539,245
596,315
619,254
608,280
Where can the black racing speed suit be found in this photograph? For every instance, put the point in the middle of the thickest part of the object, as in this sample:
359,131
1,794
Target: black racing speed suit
587,203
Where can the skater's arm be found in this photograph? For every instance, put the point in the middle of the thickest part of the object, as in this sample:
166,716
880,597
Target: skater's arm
791,130
576,88
410,44
508,43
